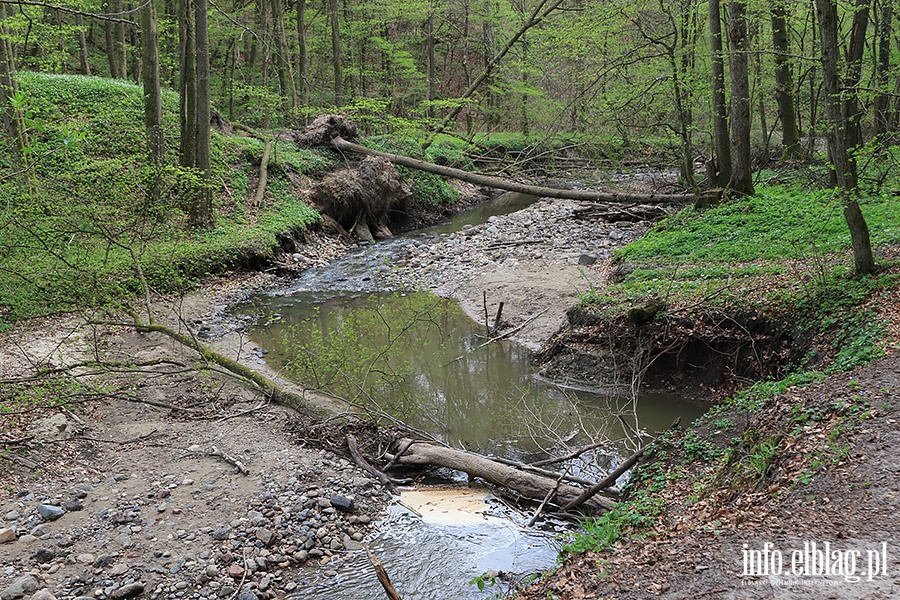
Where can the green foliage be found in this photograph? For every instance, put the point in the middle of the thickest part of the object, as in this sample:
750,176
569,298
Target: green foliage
432,190
67,240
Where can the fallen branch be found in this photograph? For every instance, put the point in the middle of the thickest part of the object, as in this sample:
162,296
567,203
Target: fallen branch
528,485
503,335
569,456
363,464
542,472
512,186
382,575
547,498
263,175
612,477
213,451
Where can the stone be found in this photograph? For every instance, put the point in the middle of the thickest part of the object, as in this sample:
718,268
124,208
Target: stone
86,558
44,555
12,515
7,535
342,503
128,591
248,595
21,587
73,505
49,512
235,571
118,569
266,536
220,533
43,595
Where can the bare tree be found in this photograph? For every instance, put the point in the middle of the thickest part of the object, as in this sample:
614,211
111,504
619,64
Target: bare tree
742,172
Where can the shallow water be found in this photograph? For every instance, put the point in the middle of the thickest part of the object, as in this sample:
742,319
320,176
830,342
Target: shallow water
348,329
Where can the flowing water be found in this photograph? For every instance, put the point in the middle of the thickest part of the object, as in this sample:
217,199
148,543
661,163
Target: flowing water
346,328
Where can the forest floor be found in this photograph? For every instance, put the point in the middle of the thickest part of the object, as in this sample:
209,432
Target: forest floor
173,481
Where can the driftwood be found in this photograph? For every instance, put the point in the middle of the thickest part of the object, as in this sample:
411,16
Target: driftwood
512,186
382,575
363,464
528,485
607,213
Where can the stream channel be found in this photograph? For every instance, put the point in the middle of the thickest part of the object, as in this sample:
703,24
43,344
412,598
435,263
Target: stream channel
349,328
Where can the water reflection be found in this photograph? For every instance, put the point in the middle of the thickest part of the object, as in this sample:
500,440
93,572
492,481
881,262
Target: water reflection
421,359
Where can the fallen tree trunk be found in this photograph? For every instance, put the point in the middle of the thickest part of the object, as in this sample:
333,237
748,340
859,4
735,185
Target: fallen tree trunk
529,485
512,186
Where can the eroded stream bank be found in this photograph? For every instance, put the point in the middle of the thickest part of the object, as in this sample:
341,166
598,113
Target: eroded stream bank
166,513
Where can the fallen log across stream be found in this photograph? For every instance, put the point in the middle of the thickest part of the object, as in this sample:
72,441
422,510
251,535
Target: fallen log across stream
529,485
513,186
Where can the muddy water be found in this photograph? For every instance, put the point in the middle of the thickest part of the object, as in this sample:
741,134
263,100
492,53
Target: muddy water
349,329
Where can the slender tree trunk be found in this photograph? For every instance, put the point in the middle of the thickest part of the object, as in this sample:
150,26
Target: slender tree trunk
10,116
120,47
720,163
203,215
336,61
304,53
429,66
852,111
152,99
844,166
883,98
742,172
286,62
784,84
187,148
84,63
109,30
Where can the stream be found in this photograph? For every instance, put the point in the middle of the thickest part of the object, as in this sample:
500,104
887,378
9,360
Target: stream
350,329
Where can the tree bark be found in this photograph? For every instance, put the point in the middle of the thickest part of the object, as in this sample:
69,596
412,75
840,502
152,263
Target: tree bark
784,85
152,100
187,149
844,166
120,48
512,186
883,97
852,111
742,170
304,54
11,116
202,214
285,52
336,61
720,166
84,63
529,485
109,30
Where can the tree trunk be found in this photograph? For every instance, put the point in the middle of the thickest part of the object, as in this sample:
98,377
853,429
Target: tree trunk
529,485
109,30
202,215
120,48
720,162
284,50
883,97
852,112
844,166
84,63
304,53
429,65
784,85
336,61
152,100
512,186
742,171
187,149
12,123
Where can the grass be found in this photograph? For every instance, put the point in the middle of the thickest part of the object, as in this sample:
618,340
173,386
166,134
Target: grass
69,234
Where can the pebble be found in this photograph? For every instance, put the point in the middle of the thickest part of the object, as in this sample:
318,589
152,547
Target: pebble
50,512
7,535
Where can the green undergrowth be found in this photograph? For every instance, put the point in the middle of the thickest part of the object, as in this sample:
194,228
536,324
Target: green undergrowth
73,228
784,253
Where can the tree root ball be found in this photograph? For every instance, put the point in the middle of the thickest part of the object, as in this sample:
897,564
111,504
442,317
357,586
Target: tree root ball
361,198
